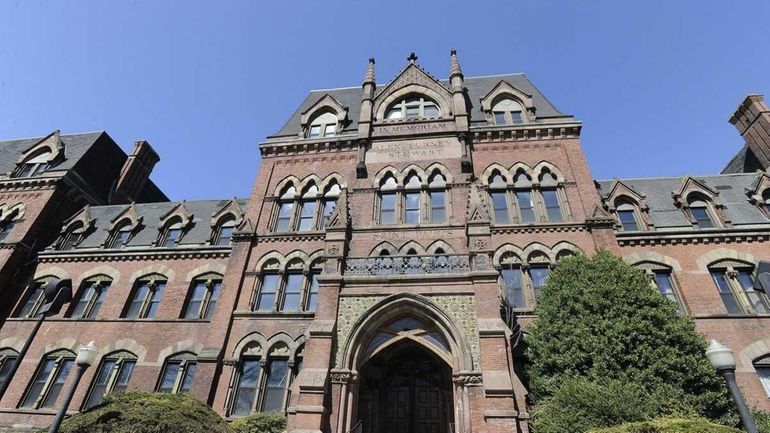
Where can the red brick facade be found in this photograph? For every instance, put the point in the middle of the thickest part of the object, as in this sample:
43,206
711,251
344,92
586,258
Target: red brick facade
365,274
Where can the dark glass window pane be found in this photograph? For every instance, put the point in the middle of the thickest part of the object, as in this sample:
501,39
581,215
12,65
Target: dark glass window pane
97,305
551,200
388,208
58,383
33,301
38,383
512,283
6,364
757,300
412,208
728,297
499,118
525,206
306,215
120,239
124,375
85,298
246,390
500,207
26,170
628,220
140,295
437,206
702,218
169,376
196,299
6,229
225,234
329,206
101,381
539,277
516,117
189,375
276,385
315,131
312,297
171,237
267,292
157,294
215,291
430,111
292,292
284,217
665,286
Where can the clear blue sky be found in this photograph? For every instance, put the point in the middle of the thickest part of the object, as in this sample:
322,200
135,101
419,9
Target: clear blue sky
653,81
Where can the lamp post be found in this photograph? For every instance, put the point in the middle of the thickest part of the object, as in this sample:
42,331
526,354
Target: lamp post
723,360
86,357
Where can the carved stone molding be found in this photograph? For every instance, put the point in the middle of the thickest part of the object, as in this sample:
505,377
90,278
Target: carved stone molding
467,378
343,376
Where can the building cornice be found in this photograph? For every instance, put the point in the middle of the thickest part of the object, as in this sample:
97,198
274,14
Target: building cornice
94,255
343,143
538,228
685,237
491,134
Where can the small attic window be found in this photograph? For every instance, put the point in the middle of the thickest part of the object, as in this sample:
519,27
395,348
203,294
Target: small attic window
413,107
508,112
34,165
324,125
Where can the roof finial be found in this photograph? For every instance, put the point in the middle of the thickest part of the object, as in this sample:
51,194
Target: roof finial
454,67
369,76
412,57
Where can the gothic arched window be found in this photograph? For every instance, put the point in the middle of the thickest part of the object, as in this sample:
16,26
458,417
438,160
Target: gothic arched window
628,215
224,231
387,205
91,297
262,382
508,112
413,107
324,125
49,379
734,281
701,211
178,373
34,165
203,297
437,198
112,376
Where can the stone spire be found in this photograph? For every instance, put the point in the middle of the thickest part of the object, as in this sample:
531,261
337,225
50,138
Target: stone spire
454,68
369,76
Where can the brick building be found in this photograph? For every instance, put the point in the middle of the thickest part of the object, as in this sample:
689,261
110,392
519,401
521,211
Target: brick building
363,279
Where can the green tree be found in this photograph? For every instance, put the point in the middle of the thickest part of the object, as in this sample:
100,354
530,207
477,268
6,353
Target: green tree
139,412
599,319
670,425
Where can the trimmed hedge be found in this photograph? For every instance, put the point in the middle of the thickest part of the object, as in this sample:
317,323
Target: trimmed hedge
139,412
669,425
271,422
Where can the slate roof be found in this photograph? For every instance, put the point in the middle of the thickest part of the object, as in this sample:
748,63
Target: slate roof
151,213
478,87
743,162
665,215
93,156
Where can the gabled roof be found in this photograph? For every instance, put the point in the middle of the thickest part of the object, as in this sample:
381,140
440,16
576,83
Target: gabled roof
476,87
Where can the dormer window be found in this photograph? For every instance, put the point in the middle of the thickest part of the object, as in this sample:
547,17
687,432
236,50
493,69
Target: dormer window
171,235
508,112
626,212
324,125
34,166
120,236
413,107
71,237
225,232
699,209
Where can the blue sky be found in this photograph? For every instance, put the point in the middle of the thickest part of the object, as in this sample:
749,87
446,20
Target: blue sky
653,81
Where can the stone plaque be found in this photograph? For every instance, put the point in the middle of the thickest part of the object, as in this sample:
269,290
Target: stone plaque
414,150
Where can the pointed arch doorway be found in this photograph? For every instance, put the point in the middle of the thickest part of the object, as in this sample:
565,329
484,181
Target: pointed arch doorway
406,380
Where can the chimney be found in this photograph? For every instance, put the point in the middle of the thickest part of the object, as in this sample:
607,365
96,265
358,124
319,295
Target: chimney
135,173
752,119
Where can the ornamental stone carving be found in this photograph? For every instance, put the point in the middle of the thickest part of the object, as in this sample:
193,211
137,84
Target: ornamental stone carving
343,376
467,379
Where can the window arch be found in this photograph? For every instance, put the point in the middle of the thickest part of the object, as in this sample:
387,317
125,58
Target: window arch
522,282
387,202
48,381
202,297
8,358
437,197
507,111
414,106
35,165
172,233
113,375
178,373
552,196
734,281
146,297
627,213
292,287
516,198
323,125
662,279
262,381
35,298
224,231
91,297
307,211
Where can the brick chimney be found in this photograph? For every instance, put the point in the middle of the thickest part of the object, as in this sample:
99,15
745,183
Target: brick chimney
135,173
752,118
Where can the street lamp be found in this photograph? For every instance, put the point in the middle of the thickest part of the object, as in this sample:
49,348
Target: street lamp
86,357
723,360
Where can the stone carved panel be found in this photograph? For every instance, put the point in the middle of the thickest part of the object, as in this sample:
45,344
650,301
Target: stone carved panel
461,308
413,150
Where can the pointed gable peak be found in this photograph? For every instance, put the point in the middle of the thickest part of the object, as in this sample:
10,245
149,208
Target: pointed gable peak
691,184
231,208
180,211
51,141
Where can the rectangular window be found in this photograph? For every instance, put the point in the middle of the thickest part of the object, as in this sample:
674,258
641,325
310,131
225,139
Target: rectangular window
146,300
499,118
330,130
513,290
412,207
113,375
267,291
246,388
764,378
188,376
412,112
59,377
70,240
275,388
702,218
500,207
552,208
34,301
312,295
225,234
197,300
216,289
328,208
6,364
388,208
91,300
283,224
306,215
168,379
172,235
26,170
539,277
728,297
665,285
177,376
437,206
628,220
292,292
757,300
315,131
430,111
516,117
121,237
526,209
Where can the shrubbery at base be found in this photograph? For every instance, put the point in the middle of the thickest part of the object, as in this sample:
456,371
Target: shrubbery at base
669,425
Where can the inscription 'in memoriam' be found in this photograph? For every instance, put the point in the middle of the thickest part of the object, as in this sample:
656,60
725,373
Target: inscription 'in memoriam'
414,150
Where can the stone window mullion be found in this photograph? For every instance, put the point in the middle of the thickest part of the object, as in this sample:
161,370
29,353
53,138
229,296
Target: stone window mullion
280,291
738,292
527,286
561,195
261,382
48,382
